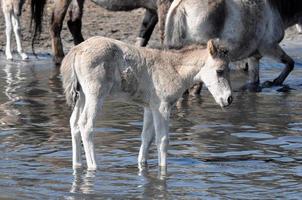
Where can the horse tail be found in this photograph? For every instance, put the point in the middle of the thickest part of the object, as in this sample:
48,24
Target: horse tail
175,25
37,12
70,81
163,8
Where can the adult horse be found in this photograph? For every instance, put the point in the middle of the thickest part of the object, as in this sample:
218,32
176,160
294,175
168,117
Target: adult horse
154,8
249,28
12,10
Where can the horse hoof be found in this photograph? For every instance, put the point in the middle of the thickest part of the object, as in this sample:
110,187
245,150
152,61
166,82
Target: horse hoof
24,56
267,84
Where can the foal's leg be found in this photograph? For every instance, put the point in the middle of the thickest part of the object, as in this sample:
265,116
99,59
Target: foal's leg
75,20
86,124
75,132
17,31
57,18
161,124
148,134
8,32
147,27
278,53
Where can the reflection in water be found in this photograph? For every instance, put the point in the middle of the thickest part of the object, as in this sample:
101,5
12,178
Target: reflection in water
83,182
155,187
12,115
251,150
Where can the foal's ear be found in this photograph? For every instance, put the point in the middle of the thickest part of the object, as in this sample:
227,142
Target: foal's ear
212,48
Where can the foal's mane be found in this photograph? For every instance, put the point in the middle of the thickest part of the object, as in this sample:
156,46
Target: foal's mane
287,8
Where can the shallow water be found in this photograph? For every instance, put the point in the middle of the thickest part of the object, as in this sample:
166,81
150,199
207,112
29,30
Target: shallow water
252,150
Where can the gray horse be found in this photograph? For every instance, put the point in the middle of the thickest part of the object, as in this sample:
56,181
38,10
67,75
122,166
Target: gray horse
249,28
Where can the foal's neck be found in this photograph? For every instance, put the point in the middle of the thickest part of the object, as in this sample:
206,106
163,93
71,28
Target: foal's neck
190,61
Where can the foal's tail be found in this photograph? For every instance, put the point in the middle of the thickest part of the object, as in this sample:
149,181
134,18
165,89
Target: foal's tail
37,12
70,81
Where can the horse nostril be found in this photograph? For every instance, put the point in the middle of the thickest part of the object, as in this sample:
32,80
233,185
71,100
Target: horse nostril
230,100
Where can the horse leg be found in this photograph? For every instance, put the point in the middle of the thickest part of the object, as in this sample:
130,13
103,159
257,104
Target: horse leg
148,134
278,53
299,28
75,132
17,32
253,70
147,27
75,21
161,124
57,17
8,32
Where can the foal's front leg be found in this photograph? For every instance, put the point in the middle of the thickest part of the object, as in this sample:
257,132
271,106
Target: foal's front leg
161,124
147,137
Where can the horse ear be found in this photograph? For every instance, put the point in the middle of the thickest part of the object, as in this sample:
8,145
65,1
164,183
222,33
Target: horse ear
212,48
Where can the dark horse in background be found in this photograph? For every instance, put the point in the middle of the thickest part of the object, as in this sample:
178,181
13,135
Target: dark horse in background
249,28
154,8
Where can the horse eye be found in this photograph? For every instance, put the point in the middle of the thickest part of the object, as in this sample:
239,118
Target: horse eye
220,72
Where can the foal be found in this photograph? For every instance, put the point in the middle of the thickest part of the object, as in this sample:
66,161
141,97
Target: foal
12,11
155,79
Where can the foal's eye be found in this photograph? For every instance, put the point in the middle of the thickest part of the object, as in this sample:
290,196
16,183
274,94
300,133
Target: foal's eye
220,72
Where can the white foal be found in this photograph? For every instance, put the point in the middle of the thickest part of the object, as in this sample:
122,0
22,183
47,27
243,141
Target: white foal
12,11
155,79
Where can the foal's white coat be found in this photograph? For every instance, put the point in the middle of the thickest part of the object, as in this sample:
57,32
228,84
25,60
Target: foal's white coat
155,79
12,11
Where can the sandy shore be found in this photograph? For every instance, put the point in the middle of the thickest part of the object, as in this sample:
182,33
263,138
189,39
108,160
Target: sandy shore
98,21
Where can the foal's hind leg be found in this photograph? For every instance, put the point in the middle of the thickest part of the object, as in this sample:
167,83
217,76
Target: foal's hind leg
57,18
75,132
75,21
147,27
147,137
278,53
86,123
8,32
17,31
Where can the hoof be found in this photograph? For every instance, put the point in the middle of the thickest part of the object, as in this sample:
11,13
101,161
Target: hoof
24,56
92,168
77,166
9,57
268,84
